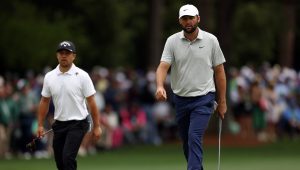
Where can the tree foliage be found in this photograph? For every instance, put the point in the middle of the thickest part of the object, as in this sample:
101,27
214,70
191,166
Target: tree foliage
115,33
28,39
255,32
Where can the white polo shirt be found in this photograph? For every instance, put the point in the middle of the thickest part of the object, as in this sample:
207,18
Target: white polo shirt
68,91
192,63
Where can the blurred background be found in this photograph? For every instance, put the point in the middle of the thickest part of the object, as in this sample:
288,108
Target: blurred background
120,43
132,33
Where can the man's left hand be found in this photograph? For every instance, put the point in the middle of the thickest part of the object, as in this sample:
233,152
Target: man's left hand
96,133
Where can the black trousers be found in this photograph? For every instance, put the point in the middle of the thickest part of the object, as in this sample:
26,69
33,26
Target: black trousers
68,136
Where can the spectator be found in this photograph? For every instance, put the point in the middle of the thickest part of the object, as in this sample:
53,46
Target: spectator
28,103
258,110
134,123
112,134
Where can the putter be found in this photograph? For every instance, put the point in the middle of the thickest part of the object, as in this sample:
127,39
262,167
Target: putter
219,135
31,145
219,152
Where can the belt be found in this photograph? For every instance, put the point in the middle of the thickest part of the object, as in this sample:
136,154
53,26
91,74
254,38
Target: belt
71,121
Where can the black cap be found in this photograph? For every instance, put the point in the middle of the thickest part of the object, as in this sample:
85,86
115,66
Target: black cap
66,45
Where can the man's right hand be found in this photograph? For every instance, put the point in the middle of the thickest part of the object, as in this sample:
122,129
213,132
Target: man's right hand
161,94
40,132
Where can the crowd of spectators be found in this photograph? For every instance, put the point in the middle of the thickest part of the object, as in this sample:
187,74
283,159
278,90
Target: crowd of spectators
263,104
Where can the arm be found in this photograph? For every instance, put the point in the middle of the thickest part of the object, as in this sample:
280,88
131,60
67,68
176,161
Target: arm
42,113
220,80
161,74
96,130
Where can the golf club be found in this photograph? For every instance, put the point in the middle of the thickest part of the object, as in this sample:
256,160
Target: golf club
31,145
219,135
219,152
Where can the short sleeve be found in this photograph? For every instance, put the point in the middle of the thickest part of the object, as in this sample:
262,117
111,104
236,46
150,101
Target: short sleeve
46,89
167,55
218,57
88,86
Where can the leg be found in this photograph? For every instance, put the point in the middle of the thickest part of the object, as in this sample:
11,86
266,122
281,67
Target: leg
73,141
202,108
198,124
192,115
183,128
59,138
183,121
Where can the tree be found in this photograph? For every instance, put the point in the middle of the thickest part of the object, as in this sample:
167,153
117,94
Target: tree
155,29
255,31
28,40
224,22
287,38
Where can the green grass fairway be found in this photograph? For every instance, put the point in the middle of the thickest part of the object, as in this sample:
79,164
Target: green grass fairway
280,156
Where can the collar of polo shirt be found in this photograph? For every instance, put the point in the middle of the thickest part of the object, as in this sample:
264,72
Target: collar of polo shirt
199,36
71,71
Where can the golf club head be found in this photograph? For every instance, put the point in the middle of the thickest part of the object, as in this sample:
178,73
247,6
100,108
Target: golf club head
31,146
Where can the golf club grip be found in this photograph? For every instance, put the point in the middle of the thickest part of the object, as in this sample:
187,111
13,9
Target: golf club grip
45,133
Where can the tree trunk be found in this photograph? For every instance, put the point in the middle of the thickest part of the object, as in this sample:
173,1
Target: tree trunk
205,8
155,30
286,53
224,17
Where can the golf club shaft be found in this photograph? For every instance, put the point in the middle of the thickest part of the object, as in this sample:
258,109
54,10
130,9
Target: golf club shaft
48,131
219,152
